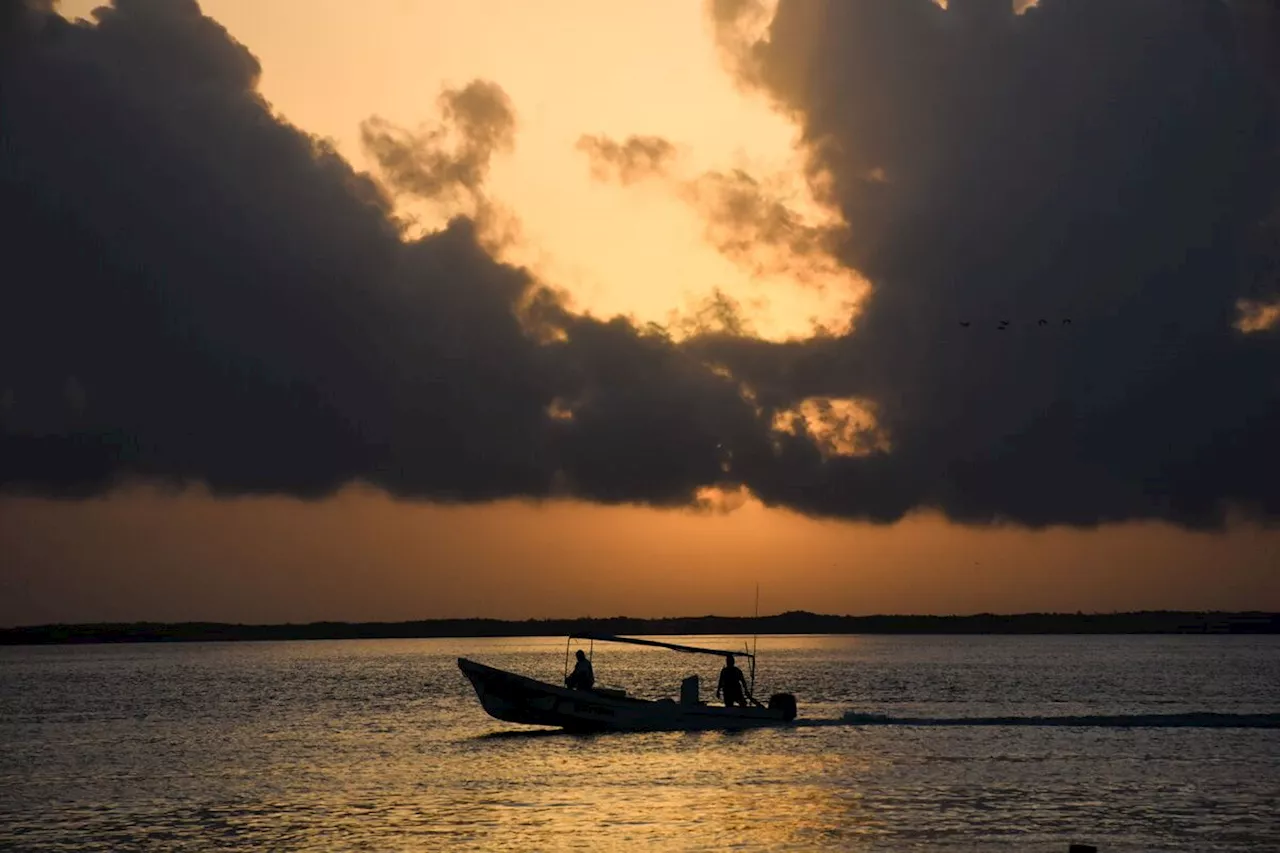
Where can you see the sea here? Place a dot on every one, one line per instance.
(903, 743)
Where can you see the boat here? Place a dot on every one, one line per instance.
(515, 698)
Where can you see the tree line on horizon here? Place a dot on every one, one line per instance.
(793, 622)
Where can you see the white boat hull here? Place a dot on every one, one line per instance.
(517, 699)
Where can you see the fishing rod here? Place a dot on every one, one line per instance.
(755, 644)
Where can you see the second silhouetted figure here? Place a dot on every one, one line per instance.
(732, 684)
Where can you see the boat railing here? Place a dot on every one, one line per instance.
(636, 641)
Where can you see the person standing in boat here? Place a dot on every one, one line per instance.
(582, 677)
(732, 684)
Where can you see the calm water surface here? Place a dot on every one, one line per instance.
(905, 743)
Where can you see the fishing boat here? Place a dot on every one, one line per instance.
(516, 698)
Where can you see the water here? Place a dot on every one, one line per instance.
(905, 743)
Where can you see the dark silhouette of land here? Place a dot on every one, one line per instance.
(794, 622)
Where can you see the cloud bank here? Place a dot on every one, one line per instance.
(1111, 163)
(194, 290)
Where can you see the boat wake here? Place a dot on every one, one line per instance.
(1191, 720)
(1199, 719)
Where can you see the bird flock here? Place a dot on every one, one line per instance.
(1004, 324)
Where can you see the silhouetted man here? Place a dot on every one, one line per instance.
(582, 677)
(732, 685)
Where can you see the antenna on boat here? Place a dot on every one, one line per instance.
(755, 640)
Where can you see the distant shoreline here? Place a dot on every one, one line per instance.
(795, 622)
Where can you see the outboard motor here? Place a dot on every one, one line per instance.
(784, 702)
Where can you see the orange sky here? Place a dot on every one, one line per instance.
(361, 556)
(570, 67)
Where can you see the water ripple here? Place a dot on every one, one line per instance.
(904, 743)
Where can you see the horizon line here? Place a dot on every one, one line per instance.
(535, 620)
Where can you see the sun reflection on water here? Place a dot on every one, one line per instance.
(381, 745)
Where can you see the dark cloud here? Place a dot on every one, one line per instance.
(755, 225)
(1114, 163)
(718, 314)
(634, 159)
(646, 420)
(448, 162)
(737, 24)
(194, 290)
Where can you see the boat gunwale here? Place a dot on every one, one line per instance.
(565, 692)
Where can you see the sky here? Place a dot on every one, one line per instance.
(414, 309)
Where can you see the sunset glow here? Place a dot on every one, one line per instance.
(580, 307)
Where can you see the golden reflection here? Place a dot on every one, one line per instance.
(643, 792)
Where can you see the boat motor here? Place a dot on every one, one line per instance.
(784, 702)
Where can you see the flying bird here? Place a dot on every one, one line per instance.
(1001, 325)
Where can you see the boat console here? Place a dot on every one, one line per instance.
(784, 702)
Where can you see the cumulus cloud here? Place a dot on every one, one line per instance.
(737, 25)
(1111, 163)
(756, 225)
(446, 163)
(193, 290)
